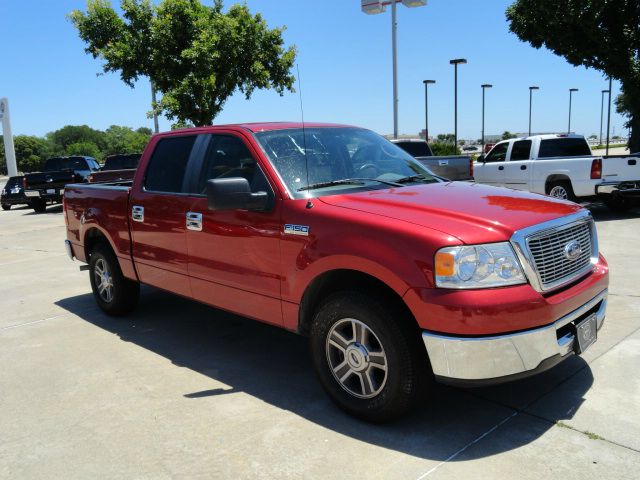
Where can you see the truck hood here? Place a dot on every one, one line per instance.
(472, 212)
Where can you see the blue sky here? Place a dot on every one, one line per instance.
(345, 65)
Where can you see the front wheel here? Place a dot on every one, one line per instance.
(6, 206)
(371, 364)
(39, 206)
(114, 294)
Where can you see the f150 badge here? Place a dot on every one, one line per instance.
(292, 229)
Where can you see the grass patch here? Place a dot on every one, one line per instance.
(591, 435)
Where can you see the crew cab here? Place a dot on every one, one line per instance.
(116, 167)
(397, 277)
(451, 167)
(561, 166)
(47, 187)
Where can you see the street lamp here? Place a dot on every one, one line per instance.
(601, 112)
(455, 62)
(484, 87)
(608, 118)
(426, 107)
(373, 7)
(531, 89)
(571, 90)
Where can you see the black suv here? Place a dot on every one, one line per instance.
(13, 193)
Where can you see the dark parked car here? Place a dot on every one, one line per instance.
(48, 186)
(13, 193)
(117, 167)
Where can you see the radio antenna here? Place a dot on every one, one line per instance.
(304, 135)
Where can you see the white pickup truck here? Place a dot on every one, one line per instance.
(561, 166)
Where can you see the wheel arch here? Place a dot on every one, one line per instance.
(554, 178)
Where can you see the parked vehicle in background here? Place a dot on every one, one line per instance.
(330, 231)
(13, 193)
(116, 167)
(451, 167)
(561, 166)
(47, 187)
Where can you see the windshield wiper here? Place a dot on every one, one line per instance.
(347, 181)
(414, 178)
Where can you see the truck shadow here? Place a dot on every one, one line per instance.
(601, 213)
(274, 366)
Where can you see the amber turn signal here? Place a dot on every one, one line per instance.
(445, 263)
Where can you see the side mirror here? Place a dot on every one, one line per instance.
(482, 158)
(234, 193)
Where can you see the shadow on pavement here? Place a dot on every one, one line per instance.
(601, 213)
(273, 365)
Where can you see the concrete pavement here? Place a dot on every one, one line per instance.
(180, 390)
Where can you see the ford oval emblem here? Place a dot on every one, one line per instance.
(572, 250)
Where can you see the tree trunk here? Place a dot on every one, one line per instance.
(634, 140)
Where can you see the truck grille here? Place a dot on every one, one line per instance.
(551, 260)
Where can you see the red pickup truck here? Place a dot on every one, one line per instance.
(397, 277)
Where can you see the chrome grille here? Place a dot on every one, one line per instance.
(547, 250)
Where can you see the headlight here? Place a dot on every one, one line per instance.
(478, 266)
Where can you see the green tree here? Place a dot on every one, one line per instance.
(506, 135)
(30, 152)
(119, 139)
(599, 34)
(89, 149)
(70, 134)
(197, 56)
(446, 137)
(444, 148)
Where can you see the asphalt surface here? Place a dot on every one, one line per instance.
(180, 390)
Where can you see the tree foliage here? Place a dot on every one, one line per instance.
(197, 56)
(506, 135)
(599, 34)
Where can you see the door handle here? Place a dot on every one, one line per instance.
(137, 213)
(194, 221)
(523, 167)
(631, 161)
(501, 167)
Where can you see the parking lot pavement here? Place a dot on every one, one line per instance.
(180, 390)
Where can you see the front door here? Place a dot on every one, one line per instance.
(234, 255)
(517, 171)
(491, 170)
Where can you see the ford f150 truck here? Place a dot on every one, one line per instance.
(451, 167)
(561, 166)
(47, 187)
(396, 276)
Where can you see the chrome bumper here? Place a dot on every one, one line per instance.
(485, 358)
(68, 249)
(620, 188)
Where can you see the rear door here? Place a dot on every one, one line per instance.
(158, 206)
(491, 170)
(234, 255)
(517, 171)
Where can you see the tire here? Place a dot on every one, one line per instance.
(6, 206)
(120, 295)
(619, 204)
(562, 190)
(389, 341)
(39, 206)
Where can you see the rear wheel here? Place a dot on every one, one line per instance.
(6, 206)
(370, 363)
(114, 294)
(561, 190)
(39, 206)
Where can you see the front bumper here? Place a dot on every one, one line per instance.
(497, 358)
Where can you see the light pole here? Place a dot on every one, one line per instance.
(601, 113)
(608, 117)
(484, 87)
(531, 89)
(455, 62)
(373, 7)
(426, 108)
(153, 105)
(571, 90)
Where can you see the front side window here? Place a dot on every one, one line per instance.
(228, 156)
(498, 153)
(168, 164)
(332, 160)
(521, 150)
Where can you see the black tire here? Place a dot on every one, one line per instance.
(561, 189)
(619, 204)
(387, 395)
(39, 206)
(124, 293)
(6, 206)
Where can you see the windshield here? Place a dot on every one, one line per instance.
(336, 155)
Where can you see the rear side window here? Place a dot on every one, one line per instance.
(564, 147)
(498, 153)
(168, 163)
(415, 149)
(521, 150)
